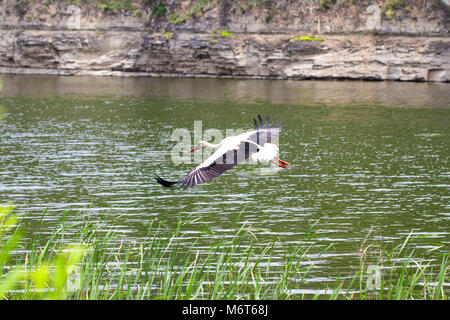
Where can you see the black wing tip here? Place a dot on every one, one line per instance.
(165, 183)
(267, 124)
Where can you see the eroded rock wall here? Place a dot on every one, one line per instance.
(275, 39)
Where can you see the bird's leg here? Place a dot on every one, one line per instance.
(284, 163)
(281, 163)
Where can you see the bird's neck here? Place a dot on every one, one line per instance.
(210, 145)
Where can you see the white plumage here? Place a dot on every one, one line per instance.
(265, 153)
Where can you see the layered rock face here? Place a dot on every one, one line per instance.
(370, 40)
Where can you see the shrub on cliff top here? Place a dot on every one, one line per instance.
(159, 10)
(390, 7)
(325, 4)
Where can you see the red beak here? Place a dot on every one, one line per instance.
(194, 148)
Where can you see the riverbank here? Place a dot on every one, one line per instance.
(306, 40)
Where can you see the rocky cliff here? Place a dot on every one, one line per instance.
(304, 39)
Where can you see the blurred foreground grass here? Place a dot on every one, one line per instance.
(97, 262)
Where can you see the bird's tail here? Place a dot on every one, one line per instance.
(165, 183)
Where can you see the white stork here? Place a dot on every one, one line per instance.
(232, 151)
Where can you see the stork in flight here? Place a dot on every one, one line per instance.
(232, 151)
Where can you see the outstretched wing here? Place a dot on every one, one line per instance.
(214, 167)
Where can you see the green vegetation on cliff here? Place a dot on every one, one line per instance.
(180, 12)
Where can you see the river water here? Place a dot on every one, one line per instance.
(369, 160)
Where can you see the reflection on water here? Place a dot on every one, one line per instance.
(331, 93)
(367, 157)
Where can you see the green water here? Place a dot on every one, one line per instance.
(368, 159)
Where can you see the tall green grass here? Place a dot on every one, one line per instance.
(395, 274)
(91, 259)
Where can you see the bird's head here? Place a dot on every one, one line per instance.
(201, 144)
